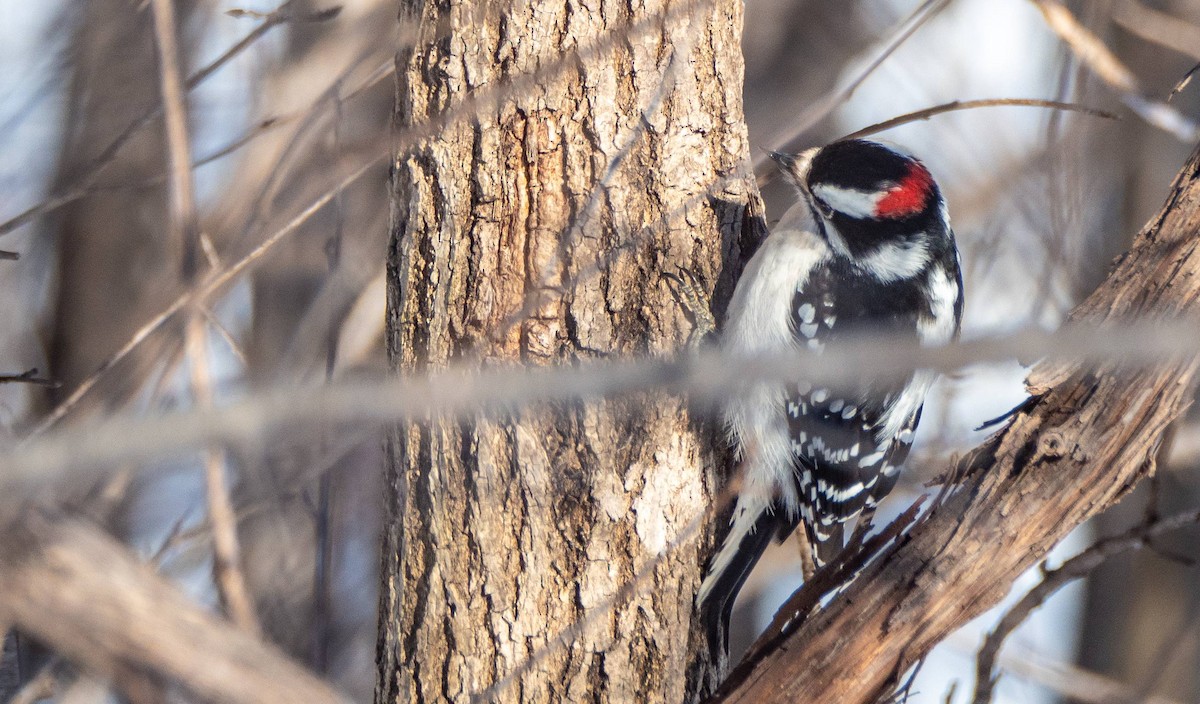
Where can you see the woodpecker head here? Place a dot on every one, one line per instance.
(875, 206)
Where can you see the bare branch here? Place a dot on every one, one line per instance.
(226, 335)
(209, 286)
(106, 156)
(1183, 82)
(1054, 579)
(231, 584)
(821, 109)
(29, 376)
(1100, 59)
(86, 597)
(955, 105)
(1069, 680)
(186, 229)
(365, 402)
(227, 571)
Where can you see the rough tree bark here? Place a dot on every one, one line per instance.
(535, 232)
(1088, 435)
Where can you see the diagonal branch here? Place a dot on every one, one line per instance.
(1086, 437)
(105, 158)
(1075, 568)
(87, 597)
(1105, 64)
(231, 584)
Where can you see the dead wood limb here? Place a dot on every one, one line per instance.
(1054, 579)
(1088, 435)
(88, 598)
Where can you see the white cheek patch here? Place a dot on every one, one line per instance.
(943, 292)
(851, 201)
(897, 260)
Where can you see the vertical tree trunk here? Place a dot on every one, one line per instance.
(535, 231)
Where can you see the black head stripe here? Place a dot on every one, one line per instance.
(858, 164)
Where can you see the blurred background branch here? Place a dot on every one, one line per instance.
(287, 125)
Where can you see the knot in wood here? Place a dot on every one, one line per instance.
(1052, 445)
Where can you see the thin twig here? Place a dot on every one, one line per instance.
(227, 573)
(226, 335)
(1183, 82)
(822, 108)
(260, 128)
(96, 166)
(163, 374)
(1100, 59)
(905, 691)
(955, 105)
(1054, 579)
(174, 537)
(29, 376)
(210, 285)
(264, 198)
(315, 467)
(1067, 679)
(184, 225)
(950, 691)
(323, 559)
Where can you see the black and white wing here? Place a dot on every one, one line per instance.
(848, 443)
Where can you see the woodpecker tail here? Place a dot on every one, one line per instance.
(755, 523)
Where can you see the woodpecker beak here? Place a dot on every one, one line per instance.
(787, 162)
(795, 167)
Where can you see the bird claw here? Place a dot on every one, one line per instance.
(690, 293)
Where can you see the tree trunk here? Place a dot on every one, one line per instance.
(583, 149)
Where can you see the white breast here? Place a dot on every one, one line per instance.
(760, 321)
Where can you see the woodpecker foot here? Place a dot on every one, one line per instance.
(690, 294)
(863, 526)
(808, 566)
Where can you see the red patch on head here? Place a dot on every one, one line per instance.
(907, 197)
